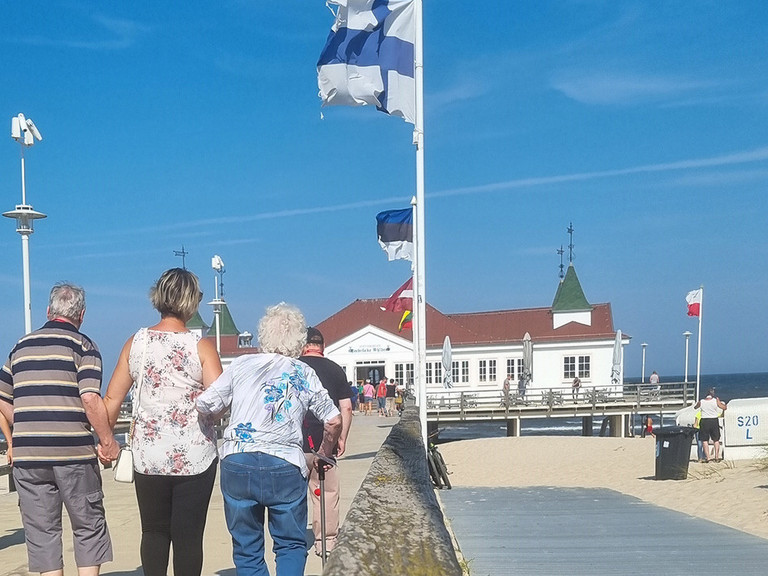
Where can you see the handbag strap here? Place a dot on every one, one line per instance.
(139, 383)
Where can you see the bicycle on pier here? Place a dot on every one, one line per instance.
(438, 471)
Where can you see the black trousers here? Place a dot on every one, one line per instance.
(173, 511)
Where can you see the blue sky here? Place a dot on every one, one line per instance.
(199, 124)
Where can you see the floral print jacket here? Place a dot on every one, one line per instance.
(268, 395)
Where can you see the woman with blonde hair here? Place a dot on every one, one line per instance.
(174, 447)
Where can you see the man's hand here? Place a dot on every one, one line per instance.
(108, 451)
(9, 454)
(341, 446)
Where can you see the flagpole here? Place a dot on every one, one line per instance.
(698, 352)
(420, 289)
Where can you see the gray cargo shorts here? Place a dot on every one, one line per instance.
(42, 491)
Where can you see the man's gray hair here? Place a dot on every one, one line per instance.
(66, 301)
(283, 330)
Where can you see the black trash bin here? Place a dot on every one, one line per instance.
(673, 452)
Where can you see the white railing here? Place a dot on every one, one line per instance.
(561, 397)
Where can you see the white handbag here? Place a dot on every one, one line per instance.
(123, 468)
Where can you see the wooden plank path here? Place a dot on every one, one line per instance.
(591, 531)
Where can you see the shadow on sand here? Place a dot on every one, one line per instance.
(12, 539)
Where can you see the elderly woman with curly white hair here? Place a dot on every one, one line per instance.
(263, 465)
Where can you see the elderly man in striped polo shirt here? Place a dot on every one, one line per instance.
(50, 390)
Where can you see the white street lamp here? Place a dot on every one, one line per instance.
(218, 283)
(642, 373)
(687, 336)
(24, 131)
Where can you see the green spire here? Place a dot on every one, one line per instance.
(228, 327)
(197, 322)
(570, 297)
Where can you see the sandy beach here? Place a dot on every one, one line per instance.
(732, 493)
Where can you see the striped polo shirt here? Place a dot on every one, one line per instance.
(46, 373)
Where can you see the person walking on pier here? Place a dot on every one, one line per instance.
(391, 394)
(709, 426)
(50, 389)
(334, 380)
(575, 386)
(381, 397)
(174, 447)
(505, 388)
(263, 468)
(369, 392)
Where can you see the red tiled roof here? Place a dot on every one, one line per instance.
(494, 327)
(229, 345)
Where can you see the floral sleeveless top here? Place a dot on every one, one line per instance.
(168, 437)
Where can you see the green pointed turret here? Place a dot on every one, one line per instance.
(570, 297)
(197, 323)
(227, 323)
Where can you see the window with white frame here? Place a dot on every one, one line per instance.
(584, 362)
(438, 372)
(487, 370)
(519, 368)
(429, 373)
(569, 367)
(399, 373)
(455, 371)
(464, 371)
(510, 368)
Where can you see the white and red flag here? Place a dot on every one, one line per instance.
(694, 302)
(402, 299)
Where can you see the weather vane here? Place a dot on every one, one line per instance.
(561, 252)
(183, 253)
(570, 245)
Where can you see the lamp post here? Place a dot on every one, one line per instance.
(642, 373)
(218, 265)
(687, 336)
(24, 131)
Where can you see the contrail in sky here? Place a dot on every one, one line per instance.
(745, 157)
(729, 159)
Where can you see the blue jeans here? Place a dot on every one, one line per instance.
(252, 482)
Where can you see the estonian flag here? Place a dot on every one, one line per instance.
(368, 58)
(395, 231)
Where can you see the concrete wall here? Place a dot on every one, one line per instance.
(395, 525)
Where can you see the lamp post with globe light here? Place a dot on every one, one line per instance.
(24, 131)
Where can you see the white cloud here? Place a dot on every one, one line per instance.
(604, 88)
(115, 34)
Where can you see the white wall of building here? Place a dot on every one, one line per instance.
(372, 346)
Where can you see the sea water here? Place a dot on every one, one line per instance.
(727, 387)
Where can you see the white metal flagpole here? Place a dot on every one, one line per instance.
(420, 290)
(698, 353)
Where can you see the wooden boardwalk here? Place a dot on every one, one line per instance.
(591, 531)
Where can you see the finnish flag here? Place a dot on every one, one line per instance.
(368, 59)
